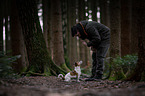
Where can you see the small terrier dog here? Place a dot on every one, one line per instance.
(75, 73)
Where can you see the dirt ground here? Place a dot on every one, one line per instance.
(53, 86)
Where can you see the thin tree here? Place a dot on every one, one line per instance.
(6, 24)
(1, 26)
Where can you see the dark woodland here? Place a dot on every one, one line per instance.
(36, 45)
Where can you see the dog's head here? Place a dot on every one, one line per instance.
(78, 63)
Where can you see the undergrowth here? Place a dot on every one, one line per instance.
(6, 70)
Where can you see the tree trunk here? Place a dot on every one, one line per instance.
(72, 42)
(7, 28)
(94, 5)
(104, 12)
(134, 29)
(33, 37)
(57, 37)
(45, 5)
(49, 29)
(115, 26)
(1, 26)
(18, 46)
(125, 27)
(65, 30)
(140, 14)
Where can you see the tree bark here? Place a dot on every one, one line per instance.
(39, 60)
(104, 12)
(17, 45)
(115, 26)
(45, 5)
(125, 27)
(94, 5)
(134, 29)
(1, 26)
(140, 18)
(7, 28)
(57, 35)
(72, 46)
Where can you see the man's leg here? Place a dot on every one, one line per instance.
(94, 66)
(101, 54)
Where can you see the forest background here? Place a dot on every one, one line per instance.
(36, 34)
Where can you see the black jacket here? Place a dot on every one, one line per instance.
(97, 33)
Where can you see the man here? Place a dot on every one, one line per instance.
(99, 41)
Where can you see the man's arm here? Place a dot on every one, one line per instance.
(94, 36)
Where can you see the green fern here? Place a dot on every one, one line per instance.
(6, 69)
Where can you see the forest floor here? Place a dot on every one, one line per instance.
(53, 86)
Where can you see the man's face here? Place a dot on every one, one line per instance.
(78, 34)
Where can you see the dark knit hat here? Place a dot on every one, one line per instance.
(73, 31)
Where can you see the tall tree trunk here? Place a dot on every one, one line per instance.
(94, 5)
(104, 12)
(72, 51)
(125, 27)
(49, 29)
(115, 26)
(64, 30)
(45, 5)
(1, 26)
(57, 37)
(18, 46)
(39, 60)
(134, 29)
(140, 14)
(7, 29)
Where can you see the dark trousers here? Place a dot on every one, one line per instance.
(98, 61)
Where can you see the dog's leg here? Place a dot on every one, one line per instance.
(77, 78)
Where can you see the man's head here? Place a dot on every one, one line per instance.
(75, 32)
(78, 30)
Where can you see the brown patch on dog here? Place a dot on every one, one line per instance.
(77, 64)
(63, 78)
(73, 73)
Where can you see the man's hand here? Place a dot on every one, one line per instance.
(84, 43)
(93, 49)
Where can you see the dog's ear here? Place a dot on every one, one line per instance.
(80, 62)
(76, 64)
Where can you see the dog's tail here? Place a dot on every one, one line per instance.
(61, 76)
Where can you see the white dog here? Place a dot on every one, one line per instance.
(75, 73)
